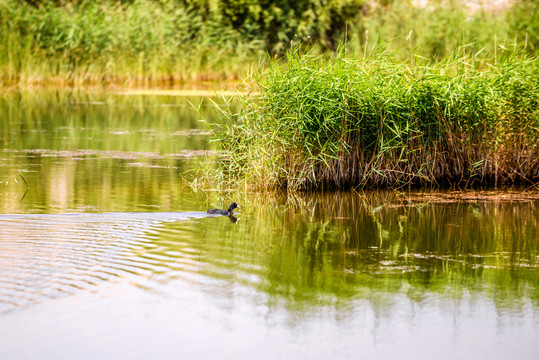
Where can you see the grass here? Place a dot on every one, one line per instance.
(138, 44)
(434, 31)
(336, 121)
(161, 43)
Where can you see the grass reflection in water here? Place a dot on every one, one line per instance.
(332, 248)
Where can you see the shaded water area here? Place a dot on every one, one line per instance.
(108, 255)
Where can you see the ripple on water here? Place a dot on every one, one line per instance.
(50, 256)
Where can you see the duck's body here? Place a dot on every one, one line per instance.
(228, 212)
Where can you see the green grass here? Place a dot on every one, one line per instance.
(103, 42)
(336, 121)
(435, 31)
(165, 42)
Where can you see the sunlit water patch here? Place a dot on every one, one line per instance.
(50, 256)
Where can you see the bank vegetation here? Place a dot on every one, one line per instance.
(336, 121)
(157, 43)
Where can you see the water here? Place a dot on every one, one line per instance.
(108, 255)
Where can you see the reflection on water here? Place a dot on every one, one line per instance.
(96, 121)
(106, 258)
(99, 152)
(375, 264)
(315, 250)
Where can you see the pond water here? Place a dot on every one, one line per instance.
(107, 253)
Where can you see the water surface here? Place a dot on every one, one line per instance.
(107, 255)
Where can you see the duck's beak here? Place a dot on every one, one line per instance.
(239, 207)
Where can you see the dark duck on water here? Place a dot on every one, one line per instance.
(224, 212)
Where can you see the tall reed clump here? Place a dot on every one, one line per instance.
(340, 122)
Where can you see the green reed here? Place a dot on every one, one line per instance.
(340, 122)
(104, 42)
(161, 43)
(436, 30)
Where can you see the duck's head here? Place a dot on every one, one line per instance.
(233, 206)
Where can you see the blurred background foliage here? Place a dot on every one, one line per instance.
(145, 40)
(276, 23)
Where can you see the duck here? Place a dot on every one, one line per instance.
(228, 212)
